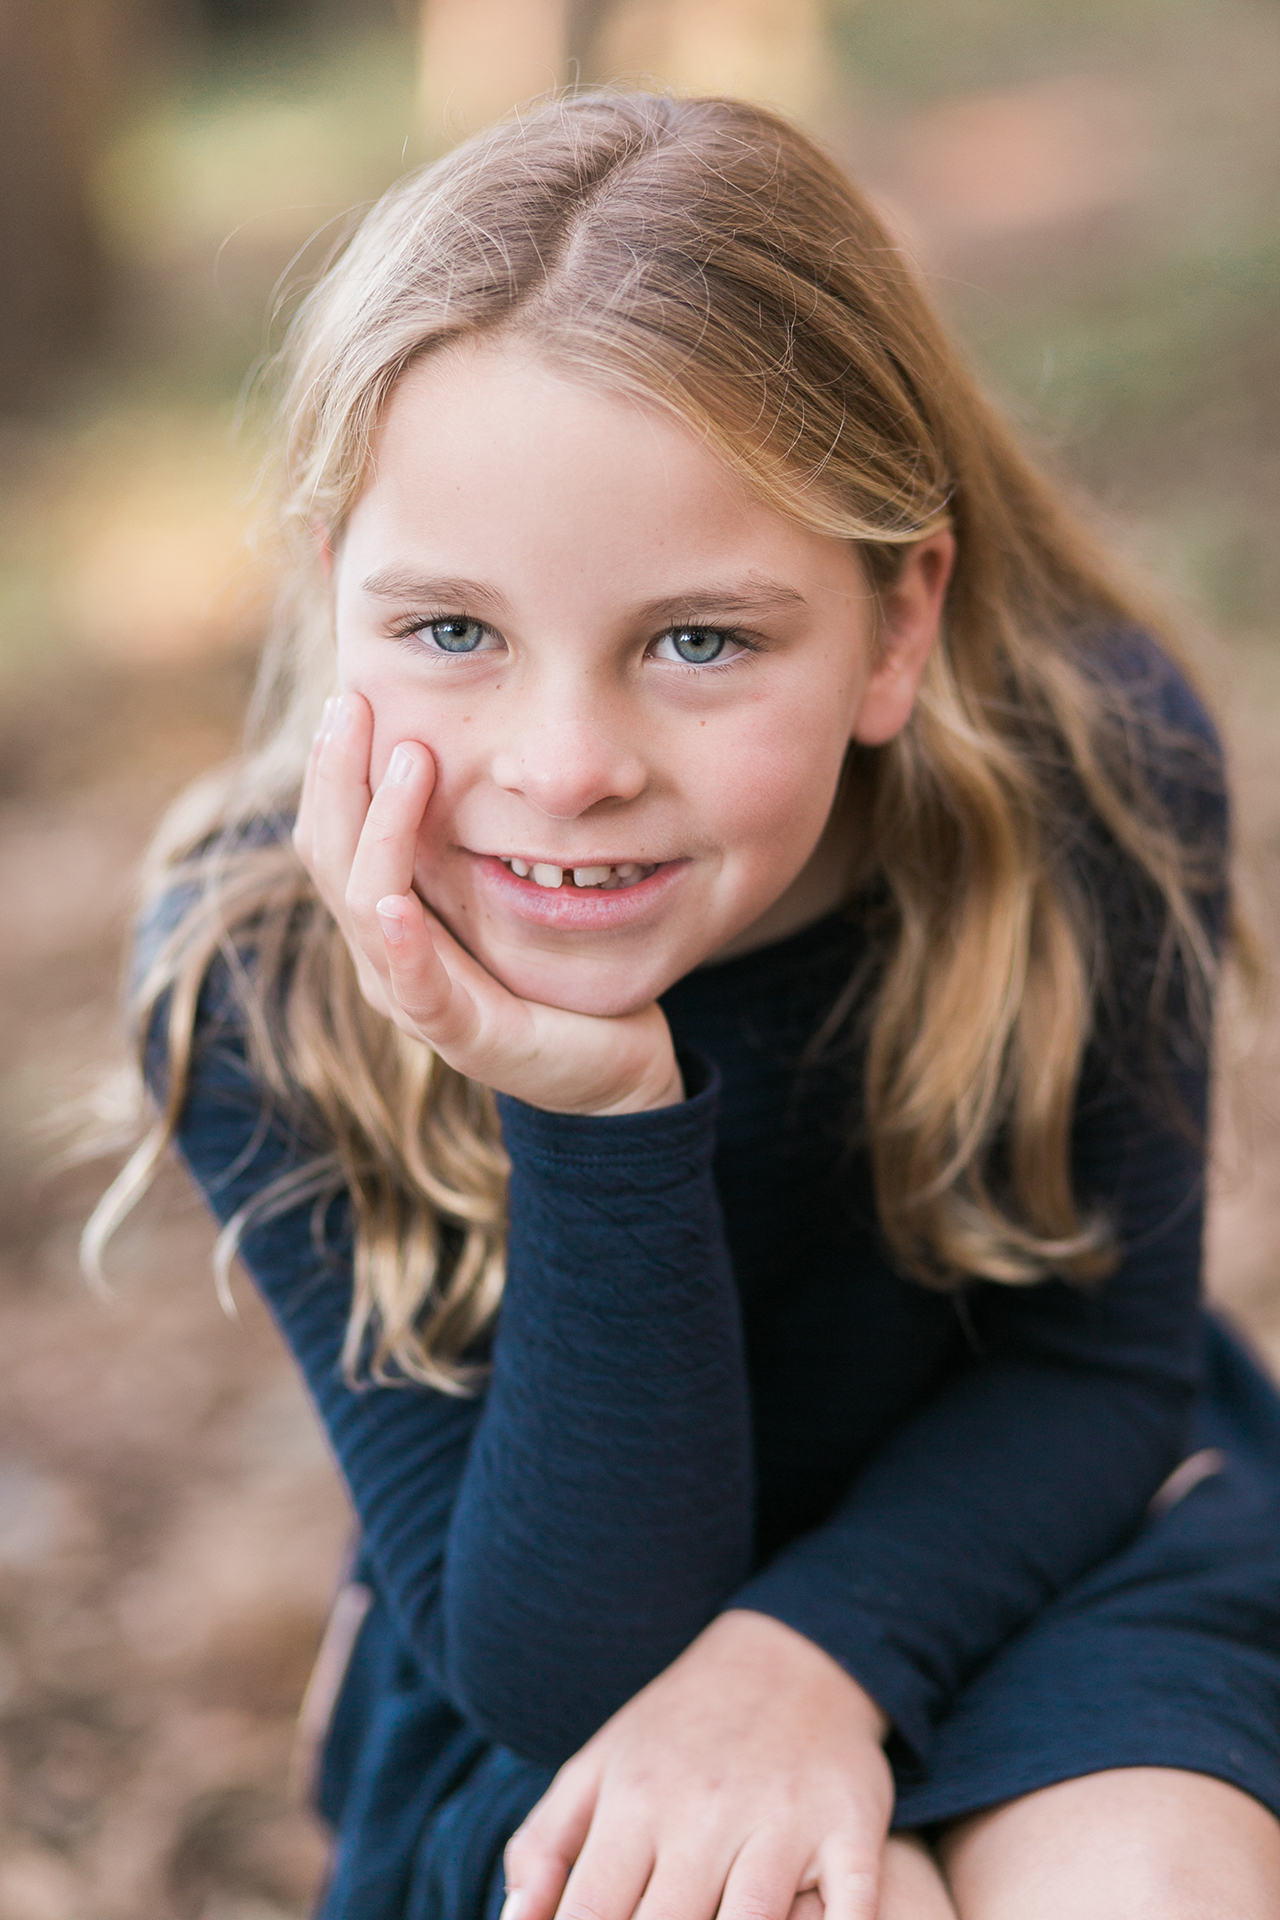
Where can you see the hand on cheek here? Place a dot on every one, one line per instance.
(360, 848)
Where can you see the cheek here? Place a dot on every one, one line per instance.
(775, 779)
(404, 710)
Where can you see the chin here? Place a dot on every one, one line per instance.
(581, 987)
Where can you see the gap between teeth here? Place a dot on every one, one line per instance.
(624, 874)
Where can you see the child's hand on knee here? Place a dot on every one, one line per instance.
(746, 1782)
(360, 848)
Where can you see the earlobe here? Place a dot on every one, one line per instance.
(911, 616)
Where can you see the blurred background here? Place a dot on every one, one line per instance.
(1090, 187)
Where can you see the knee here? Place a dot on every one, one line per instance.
(1133, 1844)
(912, 1886)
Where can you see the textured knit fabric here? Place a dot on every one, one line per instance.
(710, 1389)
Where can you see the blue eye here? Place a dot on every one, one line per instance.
(695, 646)
(456, 636)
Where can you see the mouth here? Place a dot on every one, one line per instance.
(603, 876)
(603, 896)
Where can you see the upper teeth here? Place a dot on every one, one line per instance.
(623, 874)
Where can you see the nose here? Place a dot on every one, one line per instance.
(568, 749)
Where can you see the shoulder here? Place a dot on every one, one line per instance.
(194, 973)
(1160, 729)
(202, 893)
(1156, 881)
(1138, 665)
(191, 893)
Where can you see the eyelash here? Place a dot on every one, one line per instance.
(419, 622)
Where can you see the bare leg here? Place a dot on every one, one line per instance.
(1137, 1843)
(912, 1888)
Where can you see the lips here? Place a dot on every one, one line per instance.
(555, 899)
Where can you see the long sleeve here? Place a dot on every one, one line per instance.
(549, 1548)
(608, 1501)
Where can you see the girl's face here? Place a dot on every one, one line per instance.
(638, 682)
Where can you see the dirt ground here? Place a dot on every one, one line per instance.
(170, 1523)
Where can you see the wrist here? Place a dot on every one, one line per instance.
(661, 1089)
(760, 1635)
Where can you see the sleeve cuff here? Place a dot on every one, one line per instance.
(635, 1147)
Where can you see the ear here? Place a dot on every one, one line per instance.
(324, 548)
(910, 615)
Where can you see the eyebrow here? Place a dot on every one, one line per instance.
(763, 596)
(397, 583)
(741, 597)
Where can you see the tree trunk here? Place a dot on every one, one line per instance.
(51, 105)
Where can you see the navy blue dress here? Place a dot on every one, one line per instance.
(710, 1389)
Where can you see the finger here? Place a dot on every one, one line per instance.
(540, 1853)
(689, 1880)
(611, 1873)
(538, 1892)
(303, 819)
(387, 845)
(848, 1878)
(419, 985)
(340, 797)
(763, 1881)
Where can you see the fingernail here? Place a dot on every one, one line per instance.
(400, 767)
(326, 717)
(512, 1904)
(341, 714)
(388, 912)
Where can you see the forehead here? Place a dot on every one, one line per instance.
(471, 412)
(492, 458)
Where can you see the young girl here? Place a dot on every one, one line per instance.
(782, 1416)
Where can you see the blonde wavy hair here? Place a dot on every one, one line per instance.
(706, 256)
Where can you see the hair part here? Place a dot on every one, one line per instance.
(709, 259)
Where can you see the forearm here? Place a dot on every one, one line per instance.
(606, 1509)
(1035, 1461)
(1002, 1492)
